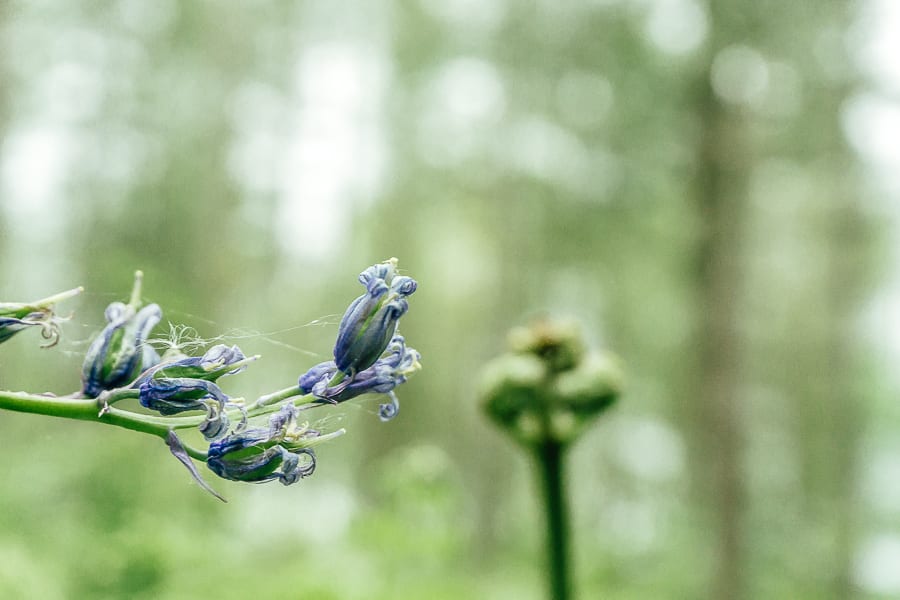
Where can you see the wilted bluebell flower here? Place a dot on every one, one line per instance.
(215, 362)
(9, 326)
(173, 395)
(258, 455)
(322, 372)
(393, 368)
(371, 320)
(116, 356)
(189, 384)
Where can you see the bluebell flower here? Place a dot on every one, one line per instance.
(188, 383)
(371, 320)
(173, 395)
(393, 368)
(322, 371)
(215, 362)
(257, 455)
(116, 356)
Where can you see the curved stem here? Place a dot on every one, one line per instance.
(101, 410)
(109, 398)
(275, 397)
(339, 376)
(84, 409)
(87, 409)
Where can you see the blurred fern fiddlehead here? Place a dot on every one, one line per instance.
(260, 441)
(544, 391)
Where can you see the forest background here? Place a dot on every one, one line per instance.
(711, 188)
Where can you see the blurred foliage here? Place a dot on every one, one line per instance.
(518, 157)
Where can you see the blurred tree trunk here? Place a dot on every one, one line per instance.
(851, 247)
(834, 418)
(720, 196)
(847, 234)
(719, 348)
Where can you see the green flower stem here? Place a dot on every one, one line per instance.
(188, 422)
(324, 438)
(275, 397)
(81, 409)
(89, 410)
(290, 392)
(135, 301)
(101, 410)
(216, 373)
(234, 414)
(109, 398)
(256, 411)
(338, 377)
(57, 297)
(550, 457)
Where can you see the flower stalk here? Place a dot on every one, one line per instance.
(550, 457)
(544, 392)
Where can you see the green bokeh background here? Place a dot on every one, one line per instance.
(675, 174)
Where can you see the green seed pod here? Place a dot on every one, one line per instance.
(558, 343)
(548, 388)
(512, 388)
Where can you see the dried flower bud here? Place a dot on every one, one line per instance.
(257, 455)
(558, 343)
(173, 395)
(188, 383)
(116, 356)
(215, 362)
